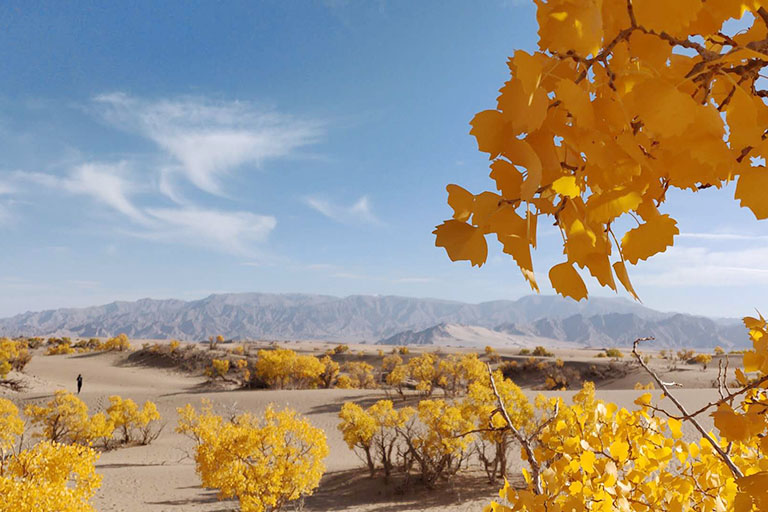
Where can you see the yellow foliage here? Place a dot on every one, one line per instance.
(433, 434)
(134, 424)
(63, 419)
(284, 368)
(360, 374)
(49, 476)
(14, 355)
(11, 426)
(456, 372)
(264, 462)
(119, 343)
(423, 369)
(330, 372)
(622, 102)
(218, 369)
(372, 432)
(60, 348)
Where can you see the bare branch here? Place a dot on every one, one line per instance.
(685, 415)
(525, 443)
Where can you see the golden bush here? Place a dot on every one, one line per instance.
(265, 462)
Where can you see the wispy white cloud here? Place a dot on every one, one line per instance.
(359, 212)
(724, 236)
(413, 280)
(6, 189)
(106, 183)
(232, 232)
(209, 139)
(700, 266)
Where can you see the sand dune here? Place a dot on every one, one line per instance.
(161, 477)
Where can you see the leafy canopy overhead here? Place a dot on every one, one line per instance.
(624, 100)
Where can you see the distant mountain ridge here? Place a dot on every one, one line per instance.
(599, 321)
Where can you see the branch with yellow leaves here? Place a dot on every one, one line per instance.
(685, 414)
(525, 442)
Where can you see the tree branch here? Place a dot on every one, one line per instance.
(685, 415)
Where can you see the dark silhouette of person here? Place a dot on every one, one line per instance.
(79, 383)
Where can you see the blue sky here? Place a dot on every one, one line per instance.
(177, 149)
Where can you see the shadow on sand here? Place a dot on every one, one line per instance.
(353, 489)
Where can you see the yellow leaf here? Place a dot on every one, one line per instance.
(576, 101)
(567, 282)
(650, 49)
(519, 152)
(731, 425)
(741, 114)
(488, 129)
(648, 239)
(644, 400)
(519, 249)
(570, 26)
(603, 208)
(753, 361)
(587, 461)
(462, 242)
(486, 204)
(508, 178)
(621, 272)
(531, 220)
(663, 109)
(751, 190)
(566, 186)
(528, 69)
(675, 427)
(461, 200)
(665, 16)
(599, 266)
(619, 450)
(505, 221)
(522, 111)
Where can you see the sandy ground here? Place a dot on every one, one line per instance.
(161, 476)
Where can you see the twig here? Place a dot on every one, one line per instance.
(686, 416)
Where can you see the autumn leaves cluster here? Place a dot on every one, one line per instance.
(623, 102)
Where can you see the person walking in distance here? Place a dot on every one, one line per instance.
(79, 383)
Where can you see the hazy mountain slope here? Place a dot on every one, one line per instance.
(468, 336)
(357, 317)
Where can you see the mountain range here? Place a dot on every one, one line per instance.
(385, 319)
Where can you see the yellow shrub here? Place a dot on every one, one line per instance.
(423, 370)
(218, 369)
(14, 355)
(344, 382)
(360, 374)
(49, 476)
(372, 432)
(264, 462)
(174, 345)
(456, 372)
(436, 439)
(133, 423)
(119, 343)
(11, 426)
(61, 348)
(284, 368)
(330, 372)
(63, 419)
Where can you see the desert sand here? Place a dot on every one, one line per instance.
(161, 476)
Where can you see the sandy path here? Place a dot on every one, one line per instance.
(161, 477)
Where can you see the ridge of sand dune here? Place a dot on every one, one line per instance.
(161, 476)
